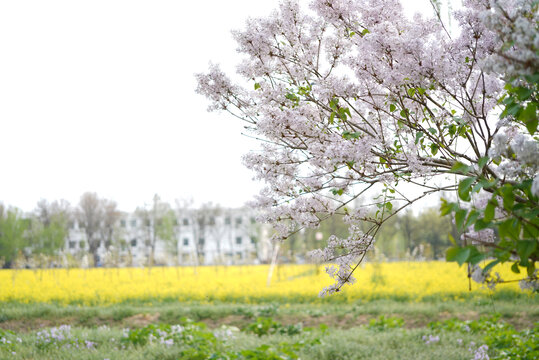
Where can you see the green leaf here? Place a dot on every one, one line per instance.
(292, 97)
(421, 91)
(512, 109)
(472, 217)
(490, 265)
(464, 188)
(482, 162)
(508, 197)
(434, 149)
(392, 107)
(460, 168)
(523, 93)
(411, 92)
(480, 224)
(476, 257)
(509, 229)
(489, 211)
(531, 269)
(332, 117)
(257, 86)
(515, 269)
(460, 216)
(389, 206)
(529, 117)
(452, 239)
(525, 248)
(447, 207)
(351, 135)
(418, 136)
(452, 129)
(404, 113)
(460, 255)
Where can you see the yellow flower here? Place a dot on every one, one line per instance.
(247, 284)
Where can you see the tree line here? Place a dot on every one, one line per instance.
(38, 238)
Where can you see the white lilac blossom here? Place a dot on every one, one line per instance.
(352, 97)
(535, 185)
(431, 339)
(478, 275)
(481, 237)
(530, 283)
(481, 276)
(344, 253)
(481, 353)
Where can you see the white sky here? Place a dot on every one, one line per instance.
(99, 96)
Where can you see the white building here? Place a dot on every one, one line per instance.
(228, 237)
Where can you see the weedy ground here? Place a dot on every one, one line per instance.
(379, 329)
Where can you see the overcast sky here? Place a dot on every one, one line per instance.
(99, 96)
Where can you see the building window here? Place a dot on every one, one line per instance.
(238, 240)
(253, 220)
(185, 222)
(122, 223)
(239, 255)
(82, 244)
(227, 221)
(147, 222)
(253, 240)
(133, 223)
(71, 225)
(239, 221)
(134, 242)
(185, 242)
(71, 244)
(201, 241)
(212, 220)
(176, 223)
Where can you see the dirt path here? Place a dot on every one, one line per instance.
(520, 321)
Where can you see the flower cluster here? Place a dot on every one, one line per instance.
(345, 254)
(352, 96)
(431, 339)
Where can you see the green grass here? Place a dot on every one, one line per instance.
(353, 343)
(522, 312)
(380, 329)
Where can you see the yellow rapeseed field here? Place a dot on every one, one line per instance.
(294, 283)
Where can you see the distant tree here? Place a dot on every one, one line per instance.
(158, 221)
(199, 220)
(12, 235)
(49, 229)
(407, 224)
(434, 231)
(90, 215)
(108, 228)
(215, 228)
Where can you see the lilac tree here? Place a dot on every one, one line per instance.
(353, 99)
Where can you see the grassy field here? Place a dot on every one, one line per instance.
(396, 311)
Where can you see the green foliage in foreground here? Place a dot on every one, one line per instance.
(384, 338)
